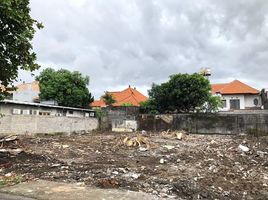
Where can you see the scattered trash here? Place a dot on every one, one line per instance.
(132, 175)
(115, 172)
(169, 147)
(191, 168)
(261, 153)
(11, 151)
(143, 149)
(162, 161)
(243, 148)
(143, 132)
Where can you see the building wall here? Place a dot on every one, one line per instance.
(229, 97)
(249, 101)
(7, 109)
(246, 101)
(33, 124)
(26, 96)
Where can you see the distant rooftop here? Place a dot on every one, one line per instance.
(43, 105)
(128, 96)
(234, 87)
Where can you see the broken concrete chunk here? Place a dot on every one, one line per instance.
(243, 148)
(169, 147)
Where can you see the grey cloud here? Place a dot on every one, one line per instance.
(138, 42)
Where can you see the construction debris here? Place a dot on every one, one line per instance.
(243, 148)
(138, 140)
(198, 167)
(174, 134)
(11, 140)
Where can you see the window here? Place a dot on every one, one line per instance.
(235, 104)
(16, 111)
(71, 112)
(92, 114)
(256, 102)
(224, 103)
(35, 112)
(26, 112)
(44, 113)
(86, 114)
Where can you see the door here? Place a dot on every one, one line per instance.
(235, 104)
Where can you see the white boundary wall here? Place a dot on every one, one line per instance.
(23, 124)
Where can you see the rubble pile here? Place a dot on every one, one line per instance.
(189, 167)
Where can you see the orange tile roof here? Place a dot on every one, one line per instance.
(98, 103)
(234, 87)
(129, 95)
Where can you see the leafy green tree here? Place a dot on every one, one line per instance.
(17, 29)
(65, 87)
(181, 93)
(148, 107)
(213, 104)
(127, 104)
(108, 99)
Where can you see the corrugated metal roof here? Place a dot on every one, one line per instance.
(44, 105)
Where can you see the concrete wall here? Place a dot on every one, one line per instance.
(22, 124)
(221, 123)
(119, 118)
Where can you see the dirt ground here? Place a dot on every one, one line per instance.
(196, 167)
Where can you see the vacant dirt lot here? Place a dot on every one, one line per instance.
(196, 167)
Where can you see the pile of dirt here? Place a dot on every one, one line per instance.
(190, 167)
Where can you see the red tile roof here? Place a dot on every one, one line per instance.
(127, 96)
(234, 87)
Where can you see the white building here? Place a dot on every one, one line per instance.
(237, 95)
(11, 107)
(27, 92)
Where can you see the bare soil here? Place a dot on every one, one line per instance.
(196, 167)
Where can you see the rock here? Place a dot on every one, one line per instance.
(261, 153)
(55, 165)
(135, 176)
(143, 149)
(8, 174)
(122, 170)
(243, 148)
(132, 175)
(169, 147)
(115, 172)
(162, 161)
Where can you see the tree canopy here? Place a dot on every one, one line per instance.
(181, 93)
(108, 98)
(65, 87)
(17, 29)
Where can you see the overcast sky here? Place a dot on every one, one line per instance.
(136, 42)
